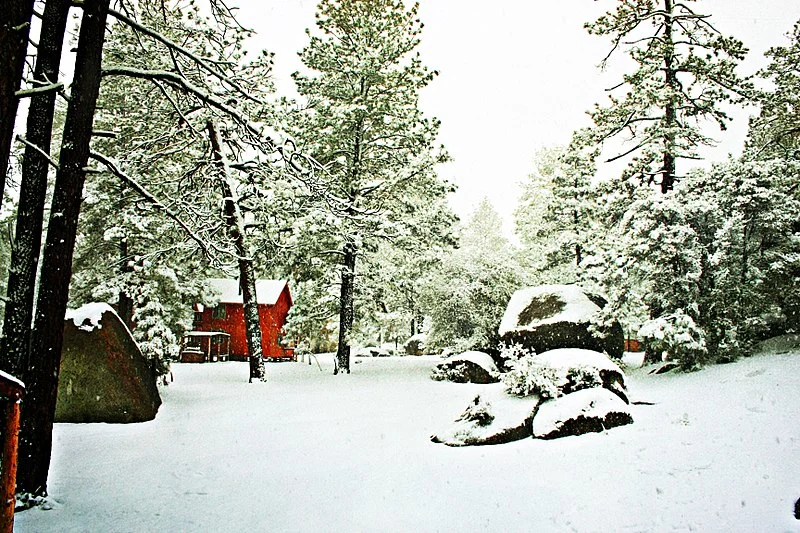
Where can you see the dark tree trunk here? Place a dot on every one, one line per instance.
(44, 363)
(15, 25)
(33, 188)
(670, 114)
(247, 279)
(342, 362)
(125, 302)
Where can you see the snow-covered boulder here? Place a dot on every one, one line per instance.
(372, 351)
(493, 417)
(467, 367)
(104, 377)
(583, 411)
(548, 317)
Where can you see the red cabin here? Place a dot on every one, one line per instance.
(274, 301)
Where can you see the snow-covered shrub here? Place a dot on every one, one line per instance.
(530, 376)
(677, 338)
(515, 352)
(416, 344)
(479, 411)
(582, 377)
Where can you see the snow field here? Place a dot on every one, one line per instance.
(309, 451)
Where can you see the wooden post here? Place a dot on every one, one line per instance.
(11, 391)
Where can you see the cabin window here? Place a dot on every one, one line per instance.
(219, 311)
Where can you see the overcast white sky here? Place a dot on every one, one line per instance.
(515, 76)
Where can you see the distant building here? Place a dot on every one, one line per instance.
(274, 301)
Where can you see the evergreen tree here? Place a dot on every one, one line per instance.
(363, 123)
(775, 131)
(684, 74)
(553, 217)
(466, 296)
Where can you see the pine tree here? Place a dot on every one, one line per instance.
(466, 295)
(553, 218)
(363, 123)
(684, 74)
(775, 131)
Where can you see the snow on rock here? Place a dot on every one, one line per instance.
(467, 367)
(103, 375)
(87, 317)
(561, 303)
(548, 317)
(567, 360)
(493, 417)
(583, 411)
(780, 344)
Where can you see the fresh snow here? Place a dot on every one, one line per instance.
(267, 290)
(87, 317)
(594, 403)
(565, 358)
(482, 359)
(308, 451)
(578, 307)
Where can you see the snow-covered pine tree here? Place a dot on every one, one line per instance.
(684, 74)
(161, 98)
(465, 297)
(775, 132)
(362, 121)
(553, 218)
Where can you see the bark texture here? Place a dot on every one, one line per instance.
(342, 362)
(33, 188)
(15, 24)
(247, 279)
(43, 367)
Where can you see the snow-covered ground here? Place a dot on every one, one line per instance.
(308, 451)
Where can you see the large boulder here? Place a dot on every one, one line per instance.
(467, 367)
(104, 377)
(549, 317)
(493, 417)
(583, 411)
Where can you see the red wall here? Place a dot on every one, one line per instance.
(272, 318)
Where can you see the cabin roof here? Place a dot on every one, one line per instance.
(267, 290)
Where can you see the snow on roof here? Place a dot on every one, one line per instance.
(578, 307)
(87, 317)
(206, 334)
(267, 290)
(8, 377)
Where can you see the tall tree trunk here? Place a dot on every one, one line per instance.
(44, 364)
(125, 302)
(670, 114)
(346, 314)
(33, 189)
(247, 279)
(15, 25)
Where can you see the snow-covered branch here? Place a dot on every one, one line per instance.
(144, 193)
